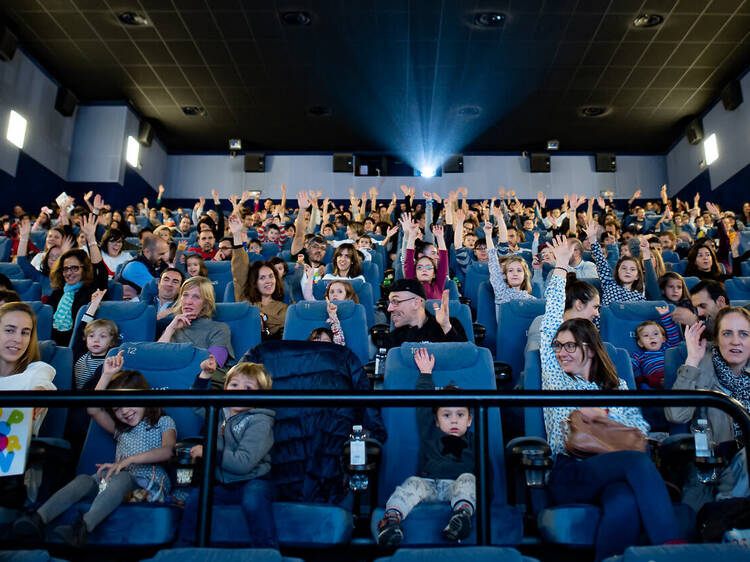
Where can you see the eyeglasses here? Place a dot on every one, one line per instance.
(569, 347)
(317, 247)
(425, 268)
(480, 247)
(395, 302)
(71, 268)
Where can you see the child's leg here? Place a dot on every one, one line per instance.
(81, 487)
(463, 492)
(108, 500)
(222, 495)
(257, 500)
(413, 491)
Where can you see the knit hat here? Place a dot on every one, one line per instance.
(411, 286)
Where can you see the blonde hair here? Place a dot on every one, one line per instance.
(206, 289)
(103, 323)
(658, 262)
(647, 323)
(505, 262)
(252, 371)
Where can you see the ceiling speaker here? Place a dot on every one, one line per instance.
(343, 162)
(731, 95)
(454, 164)
(539, 163)
(145, 133)
(255, 163)
(8, 42)
(694, 131)
(606, 163)
(65, 102)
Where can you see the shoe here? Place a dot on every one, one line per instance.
(390, 534)
(74, 535)
(29, 526)
(459, 526)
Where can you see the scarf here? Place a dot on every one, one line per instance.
(737, 385)
(63, 318)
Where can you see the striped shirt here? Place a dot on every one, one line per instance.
(85, 369)
(648, 366)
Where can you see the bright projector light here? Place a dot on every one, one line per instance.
(427, 172)
(711, 149)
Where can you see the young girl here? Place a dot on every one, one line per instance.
(674, 290)
(431, 272)
(509, 275)
(654, 339)
(244, 443)
(334, 334)
(195, 266)
(145, 439)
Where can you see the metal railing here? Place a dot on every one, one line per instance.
(479, 400)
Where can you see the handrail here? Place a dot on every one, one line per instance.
(479, 399)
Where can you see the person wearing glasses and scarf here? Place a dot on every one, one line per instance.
(74, 279)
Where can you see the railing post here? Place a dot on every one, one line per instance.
(205, 499)
(483, 504)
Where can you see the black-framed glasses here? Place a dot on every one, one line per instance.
(396, 302)
(569, 347)
(71, 268)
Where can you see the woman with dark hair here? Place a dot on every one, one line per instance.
(703, 263)
(47, 261)
(112, 254)
(625, 484)
(346, 264)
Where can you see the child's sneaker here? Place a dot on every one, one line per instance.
(389, 531)
(459, 525)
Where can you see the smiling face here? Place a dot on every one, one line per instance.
(453, 421)
(673, 290)
(193, 266)
(129, 415)
(185, 224)
(315, 251)
(72, 270)
(666, 242)
(514, 273)
(733, 340)
(192, 303)
(114, 246)
(53, 240)
(99, 341)
(344, 261)
(404, 308)
(703, 259)
(628, 273)
(425, 269)
(587, 311)
(576, 361)
(15, 335)
(480, 251)
(650, 337)
(266, 281)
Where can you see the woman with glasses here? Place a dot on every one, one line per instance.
(74, 278)
(112, 254)
(427, 270)
(625, 484)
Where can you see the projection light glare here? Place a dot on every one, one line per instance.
(16, 129)
(132, 152)
(427, 172)
(711, 149)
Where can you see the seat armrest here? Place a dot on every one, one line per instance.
(533, 456)
(479, 333)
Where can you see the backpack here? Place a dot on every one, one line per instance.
(715, 518)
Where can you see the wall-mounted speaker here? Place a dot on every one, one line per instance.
(731, 95)
(454, 164)
(539, 163)
(145, 133)
(343, 162)
(8, 43)
(694, 131)
(606, 163)
(65, 102)
(255, 163)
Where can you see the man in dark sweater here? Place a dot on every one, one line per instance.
(445, 467)
(412, 322)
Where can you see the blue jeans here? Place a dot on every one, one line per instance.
(256, 498)
(630, 492)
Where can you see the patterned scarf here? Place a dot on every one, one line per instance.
(737, 385)
(63, 318)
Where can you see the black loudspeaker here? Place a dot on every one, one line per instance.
(145, 133)
(343, 162)
(731, 95)
(8, 42)
(606, 163)
(539, 163)
(255, 162)
(694, 131)
(65, 102)
(454, 164)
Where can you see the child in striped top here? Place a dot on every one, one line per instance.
(654, 339)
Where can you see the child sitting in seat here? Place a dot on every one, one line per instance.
(243, 452)
(654, 339)
(98, 337)
(145, 439)
(445, 469)
(334, 334)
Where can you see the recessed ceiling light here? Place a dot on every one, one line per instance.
(469, 111)
(489, 19)
(193, 110)
(319, 111)
(296, 18)
(131, 18)
(593, 111)
(648, 20)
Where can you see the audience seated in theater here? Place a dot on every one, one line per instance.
(430, 271)
(654, 339)
(509, 274)
(148, 264)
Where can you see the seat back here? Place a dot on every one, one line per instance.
(475, 274)
(6, 244)
(43, 319)
(619, 320)
(166, 366)
(452, 288)
(220, 274)
(738, 288)
(595, 281)
(364, 294)
(691, 282)
(670, 256)
(136, 321)
(27, 289)
(487, 315)
(513, 323)
(244, 324)
(302, 318)
(677, 267)
(464, 364)
(61, 358)
(39, 239)
(114, 290)
(269, 250)
(10, 270)
(674, 357)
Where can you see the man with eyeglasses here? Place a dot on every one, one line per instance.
(412, 322)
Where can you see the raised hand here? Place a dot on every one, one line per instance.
(283, 189)
(97, 296)
(113, 364)
(561, 250)
(373, 192)
(437, 198)
(426, 195)
(637, 194)
(501, 192)
(87, 195)
(215, 195)
(24, 228)
(182, 245)
(332, 309)
(438, 231)
(600, 202)
(442, 312)
(303, 201)
(145, 202)
(208, 367)
(735, 244)
(245, 196)
(696, 346)
(67, 244)
(425, 362)
(713, 209)
(462, 189)
(98, 203)
(88, 227)
(645, 248)
(452, 196)
(235, 224)
(576, 201)
(592, 231)
(541, 198)
(487, 227)
(662, 310)
(162, 189)
(696, 199)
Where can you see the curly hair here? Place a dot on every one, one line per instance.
(56, 279)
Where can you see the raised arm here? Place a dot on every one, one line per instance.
(303, 202)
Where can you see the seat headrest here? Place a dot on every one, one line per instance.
(122, 310)
(155, 356)
(315, 311)
(232, 311)
(457, 355)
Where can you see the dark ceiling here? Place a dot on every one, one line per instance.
(396, 75)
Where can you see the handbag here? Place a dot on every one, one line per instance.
(588, 436)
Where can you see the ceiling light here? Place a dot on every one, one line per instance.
(132, 152)
(16, 129)
(489, 19)
(553, 144)
(235, 144)
(647, 20)
(711, 149)
(193, 110)
(593, 111)
(296, 18)
(131, 18)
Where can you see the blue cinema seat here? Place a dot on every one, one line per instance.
(738, 288)
(684, 553)
(691, 282)
(475, 274)
(302, 318)
(269, 250)
(114, 290)
(6, 244)
(140, 524)
(486, 315)
(619, 320)
(469, 367)
(364, 294)
(575, 525)
(11, 270)
(670, 256)
(136, 321)
(27, 289)
(44, 314)
(678, 267)
(244, 323)
(220, 274)
(220, 555)
(512, 330)
(463, 554)
(458, 310)
(674, 357)
(61, 358)
(595, 281)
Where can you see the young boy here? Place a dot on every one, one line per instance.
(445, 467)
(654, 339)
(101, 336)
(254, 246)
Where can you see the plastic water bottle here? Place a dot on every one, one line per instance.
(358, 459)
(704, 449)
(380, 364)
